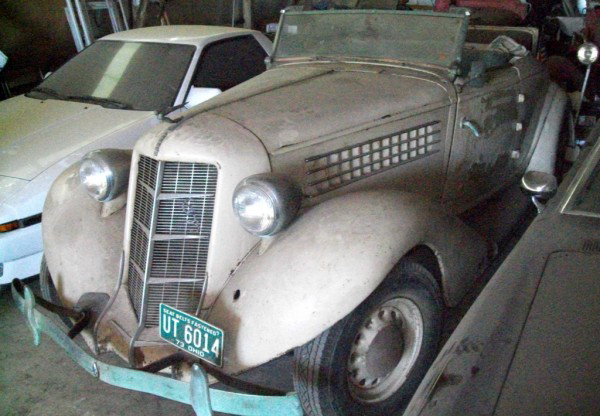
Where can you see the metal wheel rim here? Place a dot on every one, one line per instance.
(401, 319)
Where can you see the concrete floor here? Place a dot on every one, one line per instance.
(44, 381)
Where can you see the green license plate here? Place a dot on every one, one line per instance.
(191, 334)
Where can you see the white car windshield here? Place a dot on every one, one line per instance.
(125, 75)
(416, 37)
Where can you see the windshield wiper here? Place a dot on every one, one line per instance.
(104, 102)
(48, 92)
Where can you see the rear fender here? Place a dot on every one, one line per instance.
(301, 282)
(547, 135)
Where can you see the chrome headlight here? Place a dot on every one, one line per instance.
(587, 53)
(265, 204)
(105, 173)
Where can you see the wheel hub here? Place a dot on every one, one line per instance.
(385, 349)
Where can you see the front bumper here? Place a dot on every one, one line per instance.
(195, 393)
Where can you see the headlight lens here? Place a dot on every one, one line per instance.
(255, 210)
(265, 204)
(96, 178)
(105, 173)
(587, 53)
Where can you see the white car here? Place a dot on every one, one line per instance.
(106, 96)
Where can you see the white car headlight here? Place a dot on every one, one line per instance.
(105, 173)
(265, 204)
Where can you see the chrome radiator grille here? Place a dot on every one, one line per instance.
(170, 236)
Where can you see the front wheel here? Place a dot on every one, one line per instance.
(371, 362)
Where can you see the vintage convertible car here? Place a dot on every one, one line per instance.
(316, 208)
(529, 344)
(106, 96)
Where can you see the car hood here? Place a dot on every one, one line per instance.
(299, 103)
(9, 187)
(35, 134)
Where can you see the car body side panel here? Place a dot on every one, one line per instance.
(558, 351)
(407, 153)
(480, 360)
(536, 147)
(480, 164)
(474, 361)
(312, 275)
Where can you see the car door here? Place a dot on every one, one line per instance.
(487, 137)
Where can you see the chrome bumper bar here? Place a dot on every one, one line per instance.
(203, 399)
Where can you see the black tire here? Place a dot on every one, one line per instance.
(48, 290)
(322, 376)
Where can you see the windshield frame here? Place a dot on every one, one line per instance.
(184, 76)
(461, 14)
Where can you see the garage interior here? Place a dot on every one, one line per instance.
(39, 37)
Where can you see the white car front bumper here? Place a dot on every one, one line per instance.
(20, 253)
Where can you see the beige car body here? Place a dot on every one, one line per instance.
(273, 294)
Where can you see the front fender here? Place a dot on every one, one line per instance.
(303, 281)
(83, 238)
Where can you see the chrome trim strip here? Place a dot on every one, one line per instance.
(148, 265)
(164, 237)
(165, 195)
(170, 280)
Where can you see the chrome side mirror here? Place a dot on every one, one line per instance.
(540, 186)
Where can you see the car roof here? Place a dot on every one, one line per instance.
(191, 34)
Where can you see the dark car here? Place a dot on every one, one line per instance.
(529, 345)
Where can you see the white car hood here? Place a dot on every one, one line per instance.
(35, 134)
(9, 187)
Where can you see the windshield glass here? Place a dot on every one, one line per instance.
(430, 38)
(136, 75)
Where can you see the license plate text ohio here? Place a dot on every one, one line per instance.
(191, 334)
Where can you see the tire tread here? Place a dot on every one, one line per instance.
(316, 356)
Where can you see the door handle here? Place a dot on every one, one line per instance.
(471, 125)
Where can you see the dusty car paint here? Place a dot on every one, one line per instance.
(384, 225)
(301, 119)
(528, 344)
(26, 150)
(41, 137)
(178, 143)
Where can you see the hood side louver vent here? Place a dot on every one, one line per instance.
(329, 171)
(591, 246)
